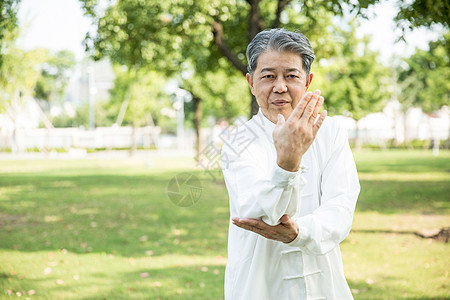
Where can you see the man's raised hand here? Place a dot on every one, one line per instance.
(292, 137)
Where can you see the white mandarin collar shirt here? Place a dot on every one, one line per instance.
(320, 197)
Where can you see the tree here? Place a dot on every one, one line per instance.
(217, 94)
(19, 77)
(423, 78)
(204, 36)
(55, 75)
(140, 94)
(423, 13)
(8, 25)
(356, 84)
(218, 27)
(165, 34)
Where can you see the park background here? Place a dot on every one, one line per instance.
(105, 104)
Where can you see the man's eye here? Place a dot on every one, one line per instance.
(292, 76)
(268, 76)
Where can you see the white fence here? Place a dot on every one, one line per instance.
(68, 138)
(374, 129)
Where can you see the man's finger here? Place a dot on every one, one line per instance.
(280, 120)
(313, 117)
(250, 226)
(285, 219)
(319, 122)
(250, 222)
(309, 109)
(300, 107)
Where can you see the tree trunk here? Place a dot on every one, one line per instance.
(358, 141)
(255, 20)
(197, 120)
(133, 138)
(405, 128)
(254, 28)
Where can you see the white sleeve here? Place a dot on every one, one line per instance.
(322, 230)
(257, 193)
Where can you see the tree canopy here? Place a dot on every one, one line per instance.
(424, 79)
(205, 35)
(354, 82)
(55, 75)
(8, 24)
(423, 13)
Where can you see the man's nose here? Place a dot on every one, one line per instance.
(279, 85)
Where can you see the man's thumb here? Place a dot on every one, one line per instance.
(281, 120)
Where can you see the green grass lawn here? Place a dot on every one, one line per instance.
(106, 229)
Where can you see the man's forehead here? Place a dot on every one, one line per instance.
(288, 69)
(279, 60)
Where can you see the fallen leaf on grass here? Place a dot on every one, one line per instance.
(157, 284)
(31, 292)
(47, 270)
(59, 281)
(144, 275)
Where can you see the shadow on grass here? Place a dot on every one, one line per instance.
(389, 197)
(125, 215)
(192, 282)
(400, 161)
(387, 289)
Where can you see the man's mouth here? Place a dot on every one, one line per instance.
(280, 102)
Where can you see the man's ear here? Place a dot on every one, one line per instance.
(250, 82)
(308, 81)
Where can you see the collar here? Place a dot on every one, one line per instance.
(267, 124)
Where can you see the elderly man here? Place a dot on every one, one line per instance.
(292, 187)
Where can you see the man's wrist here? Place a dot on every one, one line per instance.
(288, 165)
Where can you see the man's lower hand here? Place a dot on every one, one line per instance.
(284, 232)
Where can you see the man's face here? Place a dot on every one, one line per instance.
(278, 83)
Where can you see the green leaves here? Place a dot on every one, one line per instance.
(55, 75)
(424, 80)
(353, 82)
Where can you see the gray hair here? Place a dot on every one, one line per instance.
(280, 39)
